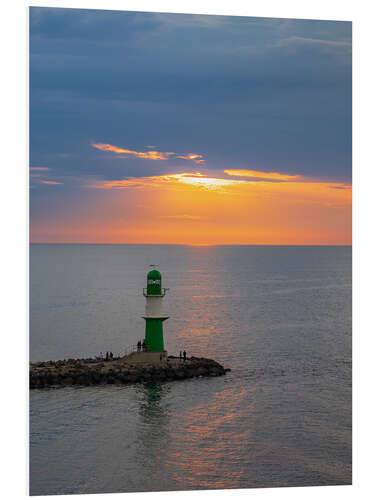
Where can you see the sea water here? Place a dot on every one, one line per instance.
(279, 317)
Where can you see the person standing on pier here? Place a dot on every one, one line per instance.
(184, 355)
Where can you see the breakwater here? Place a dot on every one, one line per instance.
(87, 372)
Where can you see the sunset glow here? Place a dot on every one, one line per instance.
(189, 132)
(194, 208)
(196, 179)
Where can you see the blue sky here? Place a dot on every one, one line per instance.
(245, 93)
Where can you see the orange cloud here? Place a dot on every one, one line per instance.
(194, 157)
(51, 182)
(194, 178)
(148, 155)
(256, 174)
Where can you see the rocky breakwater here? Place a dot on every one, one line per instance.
(87, 372)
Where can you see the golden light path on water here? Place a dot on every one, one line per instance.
(211, 433)
(212, 438)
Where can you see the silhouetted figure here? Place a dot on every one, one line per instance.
(106, 356)
(144, 346)
(184, 355)
(139, 345)
(111, 355)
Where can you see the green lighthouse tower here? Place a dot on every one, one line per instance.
(154, 316)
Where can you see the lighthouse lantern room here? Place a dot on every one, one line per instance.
(154, 316)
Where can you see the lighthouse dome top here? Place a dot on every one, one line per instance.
(154, 282)
(154, 274)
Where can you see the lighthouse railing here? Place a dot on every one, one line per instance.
(162, 294)
(132, 348)
(128, 350)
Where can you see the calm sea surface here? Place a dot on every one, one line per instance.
(279, 317)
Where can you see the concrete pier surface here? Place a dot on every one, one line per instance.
(138, 367)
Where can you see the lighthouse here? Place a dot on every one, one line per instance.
(154, 316)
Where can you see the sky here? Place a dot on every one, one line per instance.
(189, 129)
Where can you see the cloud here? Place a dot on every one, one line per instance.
(265, 181)
(39, 169)
(256, 174)
(194, 157)
(193, 178)
(267, 107)
(51, 182)
(337, 49)
(147, 155)
(299, 40)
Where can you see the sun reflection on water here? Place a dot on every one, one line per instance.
(204, 461)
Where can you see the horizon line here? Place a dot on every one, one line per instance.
(200, 244)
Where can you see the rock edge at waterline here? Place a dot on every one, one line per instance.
(90, 372)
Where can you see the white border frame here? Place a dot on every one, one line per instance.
(14, 212)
